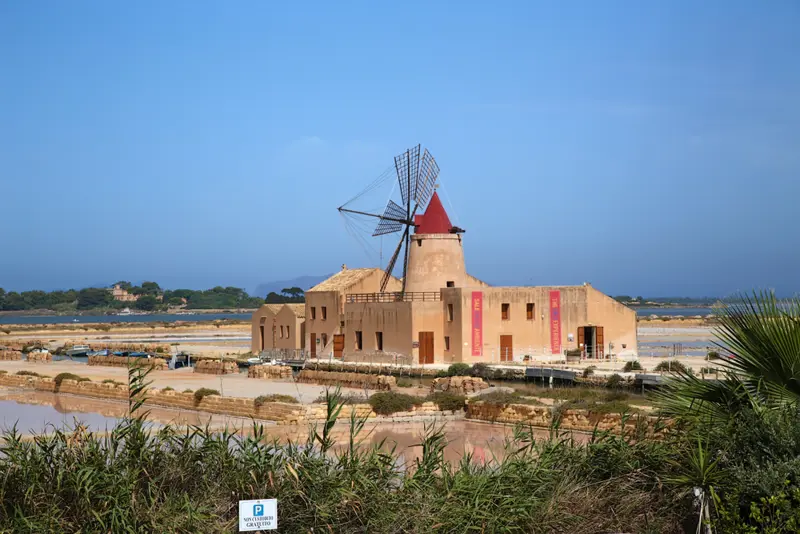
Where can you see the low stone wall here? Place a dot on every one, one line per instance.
(460, 385)
(394, 370)
(210, 367)
(278, 412)
(269, 371)
(10, 355)
(42, 357)
(123, 361)
(132, 347)
(350, 380)
(542, 416)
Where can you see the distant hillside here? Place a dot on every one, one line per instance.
(303, 282)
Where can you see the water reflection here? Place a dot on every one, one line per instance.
(36, 412)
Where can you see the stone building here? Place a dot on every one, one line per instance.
(445, 315)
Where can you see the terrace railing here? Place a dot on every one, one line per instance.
(419, 296)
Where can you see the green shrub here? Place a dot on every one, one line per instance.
(3, 372)
(673, 366)
(201, 393)
(28, 373)
(615, 381)
(448, 402)
(112, 381)
(187, 390)
(713, 355)
(459, 369)
(167, 389)
(480, 370)
(589, 371)
(68, 376)
(275, 397)
(404, 383)
(709, 370)
(344, 398)
(632, 365)
(389, 402)
(441, 374)
(502, 398)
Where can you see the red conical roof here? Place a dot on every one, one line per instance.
(435, 219)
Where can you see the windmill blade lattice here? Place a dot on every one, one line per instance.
(426, 179)
(407, 166)
(391, 221)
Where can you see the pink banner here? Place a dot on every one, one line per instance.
(477, 323)
(555, 321)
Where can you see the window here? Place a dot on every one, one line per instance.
(287, 332)
(530, 310)
(313, 312)
(505, 312)
(281, 331)
(446, 342)
(324, 313)
(450, 283)
(450, 312)
(359, 343)
(379, 340)
(324, 339)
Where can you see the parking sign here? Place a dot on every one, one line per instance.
(260, 514)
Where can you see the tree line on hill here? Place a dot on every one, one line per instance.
(151, 297)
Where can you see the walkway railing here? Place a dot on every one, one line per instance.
(420, 296)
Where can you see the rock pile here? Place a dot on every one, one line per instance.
(8, 355)
(351, 380)
(269, 371)
(216, 367)
(122, 361)
(460, 385)
(40, 357)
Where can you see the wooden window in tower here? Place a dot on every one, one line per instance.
(450, 312)
(324, 313)
(451, 283)
(379, 340)
(446, 342)
(505, 311)
(530, 311)
(313, 312)
(359, 340)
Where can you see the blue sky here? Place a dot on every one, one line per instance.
(645, 147)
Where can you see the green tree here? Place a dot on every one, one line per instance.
(93, 297)
(295, 294)
(151, 288)
(146, 303)
(124, 285)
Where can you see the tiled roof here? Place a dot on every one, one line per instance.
(344, 279)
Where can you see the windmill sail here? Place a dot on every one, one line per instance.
(428, 172)
(392, 220)
(407, 166)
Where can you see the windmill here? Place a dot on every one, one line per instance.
(416, 179)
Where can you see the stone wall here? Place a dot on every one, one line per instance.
(269, 371)
(395, 370)
(212, 367)
(132, 347)
(9, 355)
(278, 412)
(542, 416)
(123, 361)
(351, 380)
(460, 385)
(40, 357)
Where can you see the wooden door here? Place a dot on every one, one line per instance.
(261, 332)
(582, 340)
(425, 347)
(599, 341)
(338, 345)
(506, 349)
(313, 340)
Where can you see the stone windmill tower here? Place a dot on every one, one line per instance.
(433, 256)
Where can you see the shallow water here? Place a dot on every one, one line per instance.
(37, 412)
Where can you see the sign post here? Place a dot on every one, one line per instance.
(260, 514)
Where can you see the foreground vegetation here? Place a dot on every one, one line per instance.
(731, 460)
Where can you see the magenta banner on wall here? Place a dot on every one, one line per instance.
(477, 323)
(555, 321)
